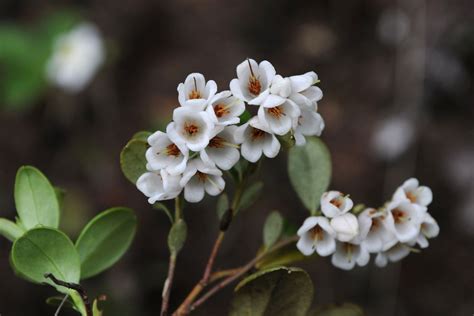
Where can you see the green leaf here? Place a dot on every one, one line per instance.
(281, 257)
(245, 117)
(95, 309)
(222, 205)
(10, 230)
(250, 195)
(309, 169)
(142, 135)
(35, 199)
(346, 309)
(133, 160)
(46, 250)
(278, 292)
(105, 239)
(177, 236)
(272, 228)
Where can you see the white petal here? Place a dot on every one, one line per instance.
(269, 71)
(252, 151)
(271, 146)
(309, 223)
(326, 246)
(305, 245)
(214, 185)
(236, 90)
(194, 190)
(346, 226)
(272, 101)
(381, 260)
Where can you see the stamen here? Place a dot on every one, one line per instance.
(316, 233)
(256, 133)
(400, 216)
(337, 202)
(276, 112)
(195, 94)
(172, 150)
(220, 110)
(216, 142)
(201, 176)
(349, 248)
(254, 84)
(191, 129)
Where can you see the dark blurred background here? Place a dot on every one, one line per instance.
(398, 102)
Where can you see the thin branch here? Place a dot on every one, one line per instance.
(61, 305)
(73, 286)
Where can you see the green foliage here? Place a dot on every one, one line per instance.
(105, 239)
(133, 160)
(272, 229)
(281, 257)
(46, 250)
(142, 135)
(35, 199)
(250, 195)
(177, 236)
(10, 230)
(245, 117)
(222, 205)
(346, 309)
(278, 292)
(309, 169)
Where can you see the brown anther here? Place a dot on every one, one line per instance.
(201, 176)
(194, 95)
(316, 233)
(257, 133)
(337, 202)
(220, 110)
(191, 129)
(254, 85)
(217, 142)
(172, 150)
(276, 112)
(411, 197)
(399, 216)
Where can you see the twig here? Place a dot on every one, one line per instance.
(73, 286)
(61, 305)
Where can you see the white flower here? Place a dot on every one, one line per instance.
(195, 92)
(256, 139)
(164, 154)
(411, 190)
(403, 219)
(76, 58)
(222, 149)
(158, 186)
(348, 254)
(374, 235)
(253, 81)
(309, 123)
(191, 128)
(429, 229)
(394, 254)
(199, 178)
(279, 119)
(225, 109)
(346, 226)
(316, 234)
(281, 86)
(334, 203)
(303, 92)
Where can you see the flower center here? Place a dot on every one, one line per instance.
(201, 176)
(411, 196)
(316, 233)
(375, 225)
(254, 85)
(191, 129)
(337, 202)
(349, 249)
(276, 112)
(217, 142)
(399, 216)
(220, 110)
(172, 150)
(194, 94)
(257, 133)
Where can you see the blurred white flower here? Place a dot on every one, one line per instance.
(279, 119)
(393, 137)
(199, 178)
(195, 92)
(403, 219)
(309, 123)
(77, 56)
(191, 128)
(225, 109)
(393, 26)
(347, 255)
(394, 254)
(316, 234)
(164, 154)
(222, 149)
(429, 229)
(158, 186)
(256, 139)
(253, 81)
(412, 191)
(346, 226)
(334, 203)
(303, 92)
(374, 236)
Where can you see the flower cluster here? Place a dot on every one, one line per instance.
(391, 231)
(206, 133)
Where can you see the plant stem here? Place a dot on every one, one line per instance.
(76, 287)
(171, 267)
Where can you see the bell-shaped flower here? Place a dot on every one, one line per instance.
(199, 178)
(225, 109)
(256, 139)
(403, 219)
(77, 55)
(394, 254)
(158, 186)
(309, 123)
(253, 81)
(191, 128)
(429, 229)
(222, 149)
(164, 154)
(281, 86)
(334, 203)
(346, 226)
(374, 235)
(316, 234)
(347, 255)
(412, 191)
(196, 92)
(303, 92)
(279, 119)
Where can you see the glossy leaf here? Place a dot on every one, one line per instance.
(35, 199)
(10, 230)
(105, 239)
(46, 250)
(309, 169)
(278, 292)
(132, 159)
(177, 236)
(272, 228)
(250, 195)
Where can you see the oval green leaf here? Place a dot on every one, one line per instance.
(35, 199)
(309, 169)
(177, 236)
(277, 292)
(10, 230)
(46, 250)
(133, 160)
(105, 239)
(142, 135)
(272, 228)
